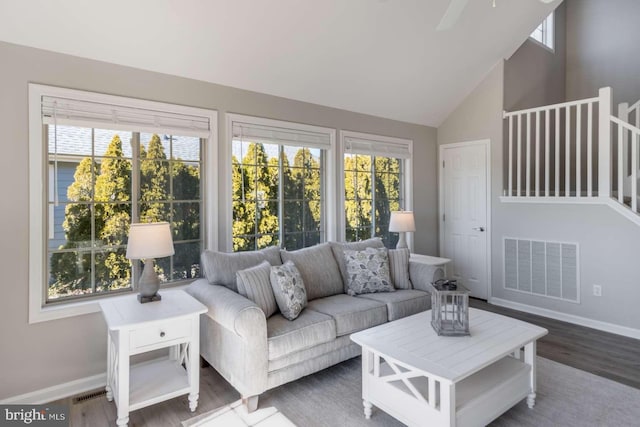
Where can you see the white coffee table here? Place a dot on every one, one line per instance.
(423, 379)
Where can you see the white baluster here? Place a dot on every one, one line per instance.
(546, 153)
(590, 149)
(537, 153)
(519, 150)
(635, 140)
(557, 144)
(567, 152)
(578, 150)
(621, 132)
(528, 157)
(510, 156)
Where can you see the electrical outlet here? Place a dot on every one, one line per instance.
(597, 290)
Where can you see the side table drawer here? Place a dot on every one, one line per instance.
(159, 333)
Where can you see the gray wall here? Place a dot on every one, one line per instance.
(602, 48)
(535, 75)
(609, 244)
(46, 354)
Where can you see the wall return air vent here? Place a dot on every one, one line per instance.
(548, 269)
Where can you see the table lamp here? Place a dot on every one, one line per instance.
(147, 242)
(402, 222)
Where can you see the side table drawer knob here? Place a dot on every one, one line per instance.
(161, 334)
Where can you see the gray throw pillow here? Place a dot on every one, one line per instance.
(338, 252)
(368, 271)
(399, 268)
(255, 284)
(288, 289)
(220, 268)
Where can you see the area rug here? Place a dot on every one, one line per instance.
(566, 397)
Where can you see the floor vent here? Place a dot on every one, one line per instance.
(548, 269)
(89, 396)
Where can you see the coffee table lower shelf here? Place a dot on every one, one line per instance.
(417, 399)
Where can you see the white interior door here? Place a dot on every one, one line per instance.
(464, 217)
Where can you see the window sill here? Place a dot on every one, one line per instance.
(78, 308)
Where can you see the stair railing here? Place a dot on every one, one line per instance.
(631, 115)
(628, 135)
(539, 137)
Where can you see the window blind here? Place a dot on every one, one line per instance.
(280, 135)
(373, 147)
(74, 112)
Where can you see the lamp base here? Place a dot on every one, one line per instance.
(148, 284)
(402, 240)
(152, 298)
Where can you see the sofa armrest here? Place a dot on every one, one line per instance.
(233, 337)
(228, 308)
(422, 274)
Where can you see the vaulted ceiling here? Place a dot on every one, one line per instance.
(379, 57)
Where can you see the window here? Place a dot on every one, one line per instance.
(111, 161)
(544, 33)
(376, 171)
(278, 183)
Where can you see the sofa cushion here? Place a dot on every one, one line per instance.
(401, 303)
(254, 283)
(351, 314)
(338, 252)
(309, 329)
(220, 268)
(368, 271)
(318, 268)
(399, 268)
(288, 289)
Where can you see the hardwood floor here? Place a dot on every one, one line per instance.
(601, 353)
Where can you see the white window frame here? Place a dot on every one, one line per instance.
(38, 192)
(406, 170)
(547, 28)
(329, 196)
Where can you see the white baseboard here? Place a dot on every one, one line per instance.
(60, 391)
(569, 318)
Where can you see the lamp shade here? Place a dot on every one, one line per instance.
(402, 221)
(152, 240)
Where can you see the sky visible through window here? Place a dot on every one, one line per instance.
(544, 32)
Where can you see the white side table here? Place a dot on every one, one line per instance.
(135, 328)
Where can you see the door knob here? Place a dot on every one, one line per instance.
(478, 228)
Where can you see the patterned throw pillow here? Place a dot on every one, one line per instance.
(254, 283)
(288, 289)
(368, 271)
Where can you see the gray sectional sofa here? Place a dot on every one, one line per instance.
(255, 353)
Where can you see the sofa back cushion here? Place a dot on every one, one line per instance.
(318, 269)
(220, 268)
(338, 252)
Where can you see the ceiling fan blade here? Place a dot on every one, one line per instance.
(452, 14)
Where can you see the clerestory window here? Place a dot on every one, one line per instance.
(544, 33)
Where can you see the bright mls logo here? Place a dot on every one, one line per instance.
(36, 415)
